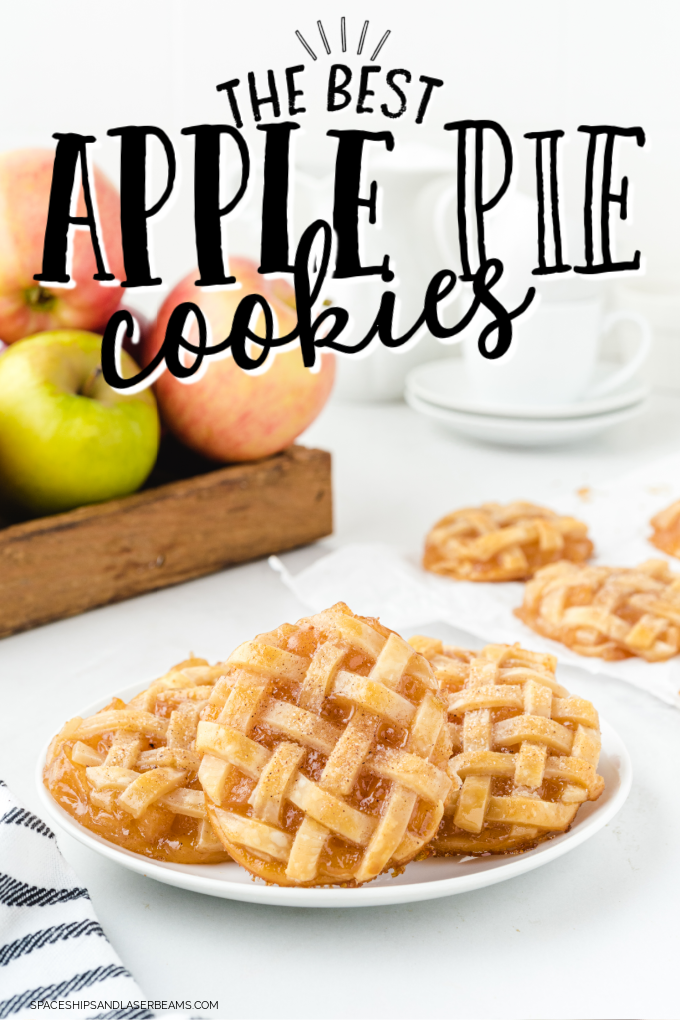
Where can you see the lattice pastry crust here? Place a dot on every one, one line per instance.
(666, 525)
(324, 748)
(129, 773)
(503, 543)
(608, 612)
(525, 751)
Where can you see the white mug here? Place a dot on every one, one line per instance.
(408, 234)
(405, 231)
(553, 356)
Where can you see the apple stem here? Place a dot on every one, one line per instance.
(40, 298)
(88, 385)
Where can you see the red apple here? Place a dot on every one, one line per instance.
(144, 325)
(230, 414)
(26, 307)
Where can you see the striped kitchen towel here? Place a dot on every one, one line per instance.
(52, 948)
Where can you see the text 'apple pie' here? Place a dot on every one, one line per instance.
(609, 612)
(324, 752)
(525, 751)
(503, 543)
(129, 773)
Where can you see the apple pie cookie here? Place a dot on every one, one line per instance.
(609, 612)
(324, 752)
(525, 751)
(666, 525)
(503, 543)
(129, 773)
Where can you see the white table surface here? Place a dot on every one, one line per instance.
(593, 934)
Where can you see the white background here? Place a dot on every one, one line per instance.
(593, 935)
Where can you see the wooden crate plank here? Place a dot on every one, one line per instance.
(62, 565)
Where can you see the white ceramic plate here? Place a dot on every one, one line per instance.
(445, 384)
(424, 880)
(521, 431)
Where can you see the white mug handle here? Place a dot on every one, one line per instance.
(439, 217)
(451, 259)
(628, 370)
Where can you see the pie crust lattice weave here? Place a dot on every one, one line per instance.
(609, 612)
(129, 773)
(324, 752)
(666, 534)
(503, 543)
(525, 751)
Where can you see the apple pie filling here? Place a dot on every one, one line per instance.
(324, 752)
(503, 543)
(129, 773)
(332, 751)
(524, 751)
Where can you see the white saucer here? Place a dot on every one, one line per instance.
(522, 431)
(445, 383)
(423, 880)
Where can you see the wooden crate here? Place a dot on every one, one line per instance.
(62, 565)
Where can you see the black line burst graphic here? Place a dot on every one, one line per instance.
(343, 40)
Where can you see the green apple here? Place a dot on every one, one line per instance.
(67, 438)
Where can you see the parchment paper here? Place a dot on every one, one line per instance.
(379, 580)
